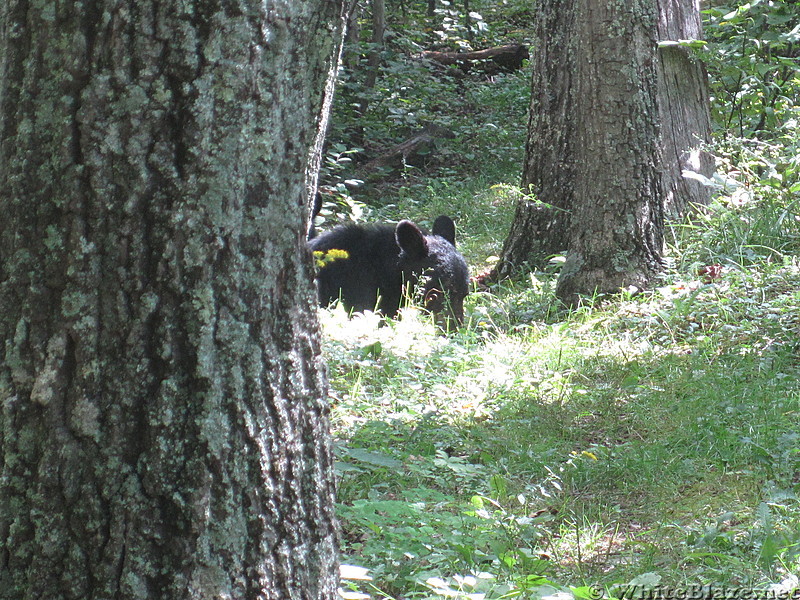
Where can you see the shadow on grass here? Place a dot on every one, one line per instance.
(624, 461)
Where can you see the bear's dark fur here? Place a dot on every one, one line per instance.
(382, 259)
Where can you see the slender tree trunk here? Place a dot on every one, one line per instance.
(372, 68)
(352, 53)
(684, 105)
(468, 21)
(163, 426)
(378, 33)
(374, 54)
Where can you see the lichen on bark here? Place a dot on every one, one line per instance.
(163, 427)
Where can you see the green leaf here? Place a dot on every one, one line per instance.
(374, 458)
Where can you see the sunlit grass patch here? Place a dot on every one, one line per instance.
(530, 405)
(610, 442)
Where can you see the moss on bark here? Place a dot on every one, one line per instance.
(164, 422)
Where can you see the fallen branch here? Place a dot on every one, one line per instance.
(413, 151)
(507, 58)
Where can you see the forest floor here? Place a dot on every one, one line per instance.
(648, 440)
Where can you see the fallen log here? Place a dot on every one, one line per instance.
(414, 151)
(506, 58)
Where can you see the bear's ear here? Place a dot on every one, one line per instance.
(411, 240)
(444, 227)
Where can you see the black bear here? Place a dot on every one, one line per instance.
(383, 259)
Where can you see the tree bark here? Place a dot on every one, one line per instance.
(555, 154)
(163, 423)
(351, 54)
(592, 157)
(683, 99)
(539, 228)
(616, 229)
(378, 32)
(372, 68)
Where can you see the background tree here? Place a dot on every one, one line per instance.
(555, 156)
(592, 154)
(616, 230)
(378, 32)
(164, 427)
(684, 106)
(539, 228)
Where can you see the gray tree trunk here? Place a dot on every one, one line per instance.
(378, 34)
(592, 154)
(351, 54)
(163, 423)
(683, 99)
(372, 68)
(584, 133)
(540, 225)
(615, 235)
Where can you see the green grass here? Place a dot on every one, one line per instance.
(656, 434)
(619, 441)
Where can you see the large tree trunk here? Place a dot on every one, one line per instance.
(592, 155)
(540, 224)
(684, 105)
(163, 426)
(616, 230)
(562, 123)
